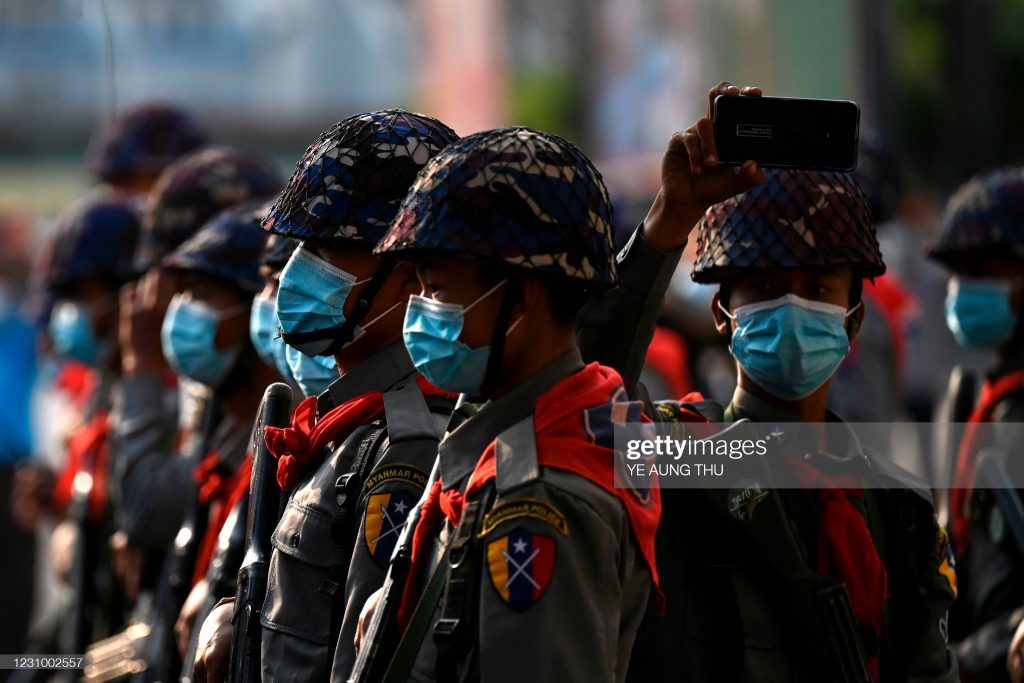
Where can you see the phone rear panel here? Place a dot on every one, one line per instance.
(786, 132)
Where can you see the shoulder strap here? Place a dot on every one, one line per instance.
(515, 452)
(408, 415)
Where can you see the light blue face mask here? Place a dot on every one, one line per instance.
(978, 311)
(313, 374)
(431, 333)
(266, 337)
(188, 338)
(790, 346)
(72, 333)
(311, 298)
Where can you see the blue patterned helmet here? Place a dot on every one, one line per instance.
(228, 247)
(984, 216)
(95, 237)
(348, 186)
(142, 141)
(793, 219)
(512, 195)
(194, 189)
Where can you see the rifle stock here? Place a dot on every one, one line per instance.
(264, 504)
(160, 650)
(382, 635)
(220, 578)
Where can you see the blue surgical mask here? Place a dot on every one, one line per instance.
(188, 337)
(266, 337)
(431, 332)
(790, 346)
(313, 374)
(71, 329)
(978, 311)
(311, 298)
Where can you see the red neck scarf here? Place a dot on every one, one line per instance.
(563, 442)
(299, 449)
(88, 452)
(221, 492)
(992, 394)
(846, 550)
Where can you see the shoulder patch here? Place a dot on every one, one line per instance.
(524, 507)
(385, 518)
(521, 564)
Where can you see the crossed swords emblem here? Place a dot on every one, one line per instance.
(520, 569)
(393, 528)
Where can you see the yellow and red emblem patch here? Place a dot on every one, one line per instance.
(521, 564)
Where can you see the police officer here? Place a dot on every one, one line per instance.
(529, 563)
(981, 241)
(357, 456)
(205, 337)
(94, 244)
(790, 256)
(335, 298)
(189, 193)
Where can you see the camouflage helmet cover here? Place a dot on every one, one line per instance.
(95, 237)
(985, 215)
(794, 219)
(529, 199)
(228, 247)
(348, 185)
(194, 189)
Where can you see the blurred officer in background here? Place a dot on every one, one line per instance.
(190, 192)
(92, 249)
(205, 337)
(981, 242)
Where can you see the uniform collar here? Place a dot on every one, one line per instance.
(460, 450)
(380, 372)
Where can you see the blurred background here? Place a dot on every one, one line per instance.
(937, 80)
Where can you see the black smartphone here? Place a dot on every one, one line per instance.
(787, 132)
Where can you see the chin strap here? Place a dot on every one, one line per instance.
(330, 340)
(513, 294)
